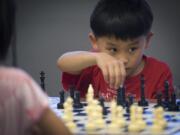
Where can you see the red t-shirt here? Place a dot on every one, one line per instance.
(155, 73)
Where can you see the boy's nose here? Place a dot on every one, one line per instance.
(125, 61)
(123, 58)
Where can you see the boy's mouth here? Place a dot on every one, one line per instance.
(127, 69)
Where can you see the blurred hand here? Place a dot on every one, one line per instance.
(113, 70)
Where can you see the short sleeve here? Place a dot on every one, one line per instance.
(22, 101)
(69, 79)
(80, 82)
(34, 100)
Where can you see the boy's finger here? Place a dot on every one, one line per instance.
(111, 75)
(117, 76)
(105, 74)
(123, 73)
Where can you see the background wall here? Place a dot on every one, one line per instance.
(48, 28)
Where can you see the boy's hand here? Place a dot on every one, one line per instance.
(113, 70)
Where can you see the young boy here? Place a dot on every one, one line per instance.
(24, 108)
(121, 31)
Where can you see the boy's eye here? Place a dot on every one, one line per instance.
(112, 50)
(132, 49)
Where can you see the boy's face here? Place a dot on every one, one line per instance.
(130, 51)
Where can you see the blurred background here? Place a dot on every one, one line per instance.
(45, 29)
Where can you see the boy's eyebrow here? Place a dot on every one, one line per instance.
(110, 43)
(130, 44)
(134, 42)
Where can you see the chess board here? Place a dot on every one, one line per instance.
(80, 118)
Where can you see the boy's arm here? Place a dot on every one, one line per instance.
(50, 124)
(112, 69)
(75, 62)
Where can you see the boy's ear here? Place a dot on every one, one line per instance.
(93, 41)
(148, 39)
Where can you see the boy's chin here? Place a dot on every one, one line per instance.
(129, 73)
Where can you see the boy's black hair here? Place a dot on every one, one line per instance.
(122, 19)
(7, 21)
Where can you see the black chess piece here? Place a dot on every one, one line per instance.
(101, 100)
(159, 100)
(61, 103)
(121, 99)
(131, 99)
(72, 90)
(166, 89)
(142, 101)
(77, 103)
(42, 78)
(129, 103)
(173, 106)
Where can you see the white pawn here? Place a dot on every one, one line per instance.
(99, 117)
(140, 121)
(71, 125)
(90, 127)
(159, 123)
(160, 117)
(156, 129)
(120, 119)
(90, 94)
(92, 115)
(133, 109)
(113, 127)
(68, 114)
(133, 126)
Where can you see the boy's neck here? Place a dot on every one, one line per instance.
(139, 68)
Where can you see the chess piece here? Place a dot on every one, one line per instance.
(68, 114)
(42, 78)
(94, 117)
(166, 100)
(159, 117)
(68, 110)
(142, 101)
(90, 127)
(130, 102)
(133, 126)
(71, 125)
(131, 99)
(77, 103)
(98, 116)
(159, 123)
(156, 129)
(113, 127)
(120, 119)
(159, 100)
(173, 106)
(61, 97)
(121, 99)
(139, 116)
(72, 89)
(101, 100)
(90, 94)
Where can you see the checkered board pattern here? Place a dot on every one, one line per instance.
(80, 118)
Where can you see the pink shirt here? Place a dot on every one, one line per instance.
(155, 73)
(21, 102)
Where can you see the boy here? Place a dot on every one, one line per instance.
(121, 31)
(24, 108)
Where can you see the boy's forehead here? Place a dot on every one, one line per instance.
(114, 40)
